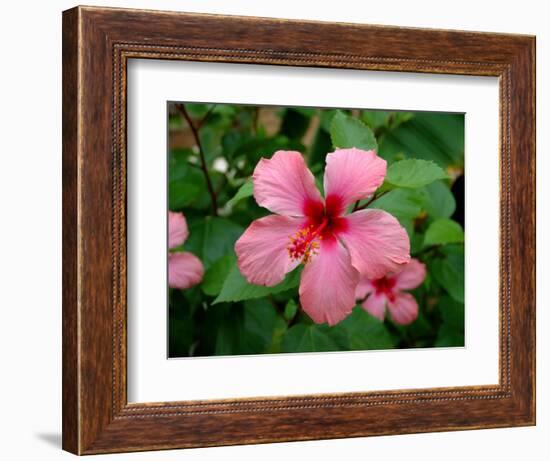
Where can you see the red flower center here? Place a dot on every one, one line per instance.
(324, 222)
(385, 286)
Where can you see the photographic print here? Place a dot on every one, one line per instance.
(299, 229)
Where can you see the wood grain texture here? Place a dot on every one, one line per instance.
(70, 383)
(97, 43)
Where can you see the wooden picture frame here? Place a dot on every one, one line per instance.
(97, 43)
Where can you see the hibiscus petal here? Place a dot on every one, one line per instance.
(184, 270)
(351, 175)
(364, 288)
(404, 309)
(376, 241)
(284, 185)
(177, 229)
(262, 251)
(327, 287)
(411, 276)
(375, 305)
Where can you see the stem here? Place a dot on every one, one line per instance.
(203, 120)
(183, 111)
(373, 198)
(427, 249)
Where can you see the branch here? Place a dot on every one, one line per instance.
(427, 249)
(205, 118)
(204, 168)
(356, 207)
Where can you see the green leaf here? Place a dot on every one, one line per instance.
(375, 118)
(417, 240)
(365, 332)
(313, 338)
(197, 110)
(214, 277)
(430, 136)
(246, 190)
(359, 331)
(226, 110)
(400, 203)
(438, 200)
(180, 326)
(443, 231)
(251, 328)
(403, 204)
(262, 320)
(413, 173)
(452, 312)
(449, 338)
(232, 337)
(445, 132)
(290, 309)
(236, 288)
(211, 238)
(185, 182)
(319, 149)
(449, 271)
(211, 137)
(400, 117)
(254, 148)
(416, 334)
(230, 142)
(451, 332)
(326, 119)
(346, 131)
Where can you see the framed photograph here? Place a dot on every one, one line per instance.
(280, 230)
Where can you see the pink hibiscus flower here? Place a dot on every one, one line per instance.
(386, 291)
(184, 269)
(334, 246)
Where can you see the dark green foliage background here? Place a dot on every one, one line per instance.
(225, 315)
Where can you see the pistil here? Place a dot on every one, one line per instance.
(306, 242)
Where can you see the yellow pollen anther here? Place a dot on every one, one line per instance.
(305, 243)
